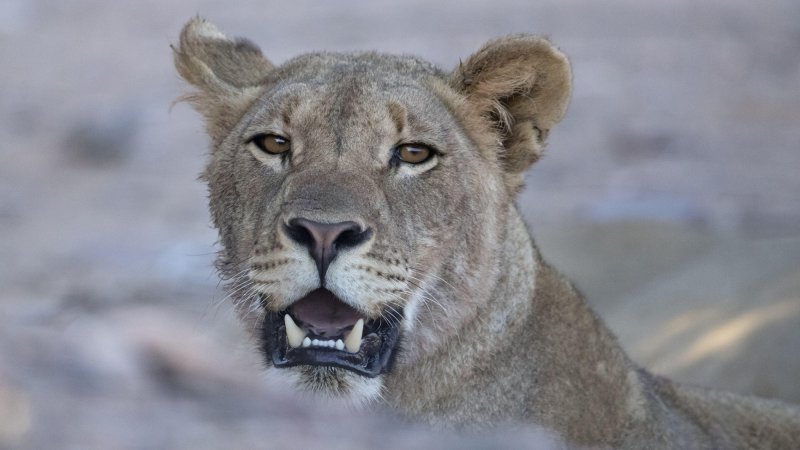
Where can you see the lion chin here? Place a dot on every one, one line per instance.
(327, 383)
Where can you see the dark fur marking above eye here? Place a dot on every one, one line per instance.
(398, 114)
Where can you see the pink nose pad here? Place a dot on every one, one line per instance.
(324, 240)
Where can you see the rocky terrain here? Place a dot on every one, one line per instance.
(670, 194)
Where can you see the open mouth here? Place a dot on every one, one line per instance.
(321, 330)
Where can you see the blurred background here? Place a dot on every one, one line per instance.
(670, 194)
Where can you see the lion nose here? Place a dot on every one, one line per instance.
(324, 240)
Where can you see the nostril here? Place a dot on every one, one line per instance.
(352, 237)
(298, 232)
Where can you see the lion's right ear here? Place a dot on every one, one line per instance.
(229, 73)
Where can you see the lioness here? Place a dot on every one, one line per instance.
(365, 204)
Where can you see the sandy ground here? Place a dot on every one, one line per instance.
(669, 194)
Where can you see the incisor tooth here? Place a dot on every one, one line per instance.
(294, 334)
(353, 340)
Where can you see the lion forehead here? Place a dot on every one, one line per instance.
(328, 68)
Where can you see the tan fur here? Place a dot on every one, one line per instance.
(490, 333)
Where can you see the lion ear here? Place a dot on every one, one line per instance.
(228, 73)
(522, 84)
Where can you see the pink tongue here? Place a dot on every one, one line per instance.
(324, 314)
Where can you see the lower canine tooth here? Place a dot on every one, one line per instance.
(294, 334)
(353, 340)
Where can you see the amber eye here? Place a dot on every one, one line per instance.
(272, 143)
(413, 153)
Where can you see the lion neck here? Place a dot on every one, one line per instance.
(439, 386)
(533, 349)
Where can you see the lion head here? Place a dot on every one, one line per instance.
(362, 198)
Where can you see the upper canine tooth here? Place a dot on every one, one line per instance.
(353, 340)
(294, 334)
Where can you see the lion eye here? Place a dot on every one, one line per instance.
(414, 153)
(272, 143)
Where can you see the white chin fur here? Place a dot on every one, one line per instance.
(361, 391)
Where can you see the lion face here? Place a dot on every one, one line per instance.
(360, 200)
(351, 184)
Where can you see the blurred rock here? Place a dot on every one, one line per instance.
(103, 138)
(708, 309)
(629, 147)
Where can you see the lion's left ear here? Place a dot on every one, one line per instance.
(522, 84)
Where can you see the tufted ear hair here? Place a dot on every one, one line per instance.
(522, 85)
(228, 73)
